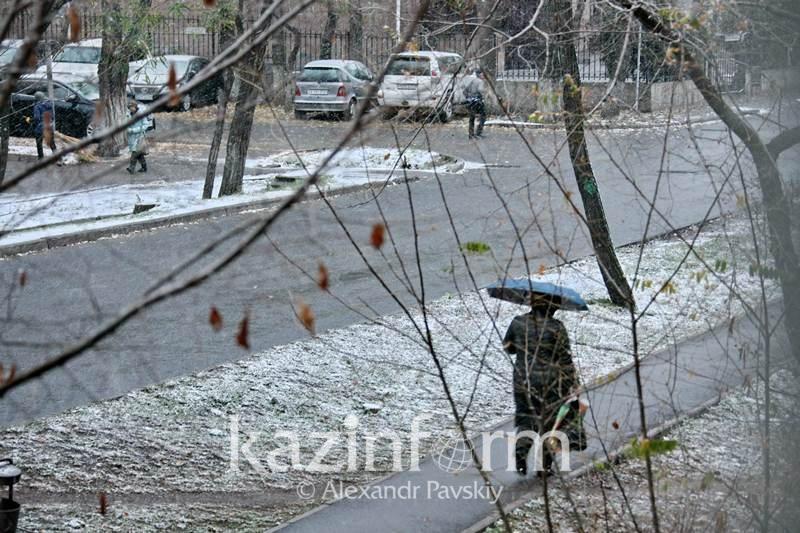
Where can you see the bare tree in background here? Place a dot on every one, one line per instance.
(250, 75)
(113, 76)
(329, 30)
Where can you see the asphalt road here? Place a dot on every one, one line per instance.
(71, 290)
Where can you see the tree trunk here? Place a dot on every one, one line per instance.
(242, 122)
(776, 204)
(356, 24)
(4, 135)
(292, 59)
(619, 290)
(113, 78)
(329, 32)
(223, 95)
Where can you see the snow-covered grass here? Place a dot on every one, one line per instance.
(176, 436)
(699, 487)
(26, 218)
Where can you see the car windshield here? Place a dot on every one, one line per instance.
(7, 55)
(78, 54)
(159, 68)
(409, 66)
(320, 74)
(88, 90)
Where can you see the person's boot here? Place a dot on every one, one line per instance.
(144, 166)
(522, 462)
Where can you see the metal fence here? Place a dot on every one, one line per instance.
(192, 35)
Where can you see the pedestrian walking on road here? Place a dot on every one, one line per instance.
(544, 380)
(137, 139)
(474, 94)
(43, 129)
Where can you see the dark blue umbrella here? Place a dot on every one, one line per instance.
(519, 291)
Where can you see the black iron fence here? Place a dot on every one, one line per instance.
(193, 35)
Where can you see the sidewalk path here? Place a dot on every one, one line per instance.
(676, 381)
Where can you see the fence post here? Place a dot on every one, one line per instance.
(501, 57)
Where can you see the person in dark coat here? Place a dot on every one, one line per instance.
(544, 375)
(474, 90)
(43, 123)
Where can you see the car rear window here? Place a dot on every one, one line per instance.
(319, 74)
(450, 64)
(409, 66)
(78, 54)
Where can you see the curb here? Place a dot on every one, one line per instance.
(599, 126)
(67, 239)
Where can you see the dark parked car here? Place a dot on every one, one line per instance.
(74, 98)
(148, 79)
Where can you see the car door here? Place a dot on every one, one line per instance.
(201, 94)
(453, 74)
(68, 119)
(73, 111)
(356, 85)
(22, 103)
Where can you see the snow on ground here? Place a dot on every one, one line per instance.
(356, 158)
(53, 214)
(23, 149)
(177, 436)
(699, 486)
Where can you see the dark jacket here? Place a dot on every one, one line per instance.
(45, 106)
(544, 374)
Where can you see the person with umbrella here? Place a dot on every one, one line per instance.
(545, 378)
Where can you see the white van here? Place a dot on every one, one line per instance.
(77, 59)
(422, 80)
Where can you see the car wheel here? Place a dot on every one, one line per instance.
(388, 113)
(350, 112)
(447, 111)
(186, 103)
(299, 115)
(89, 129)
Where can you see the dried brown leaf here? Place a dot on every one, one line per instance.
(103, 500)
(23, 278)
(48, 128)
(33, 60)
(74, 24)
(209, 3)
(244, 331)
(306, 316)
(324, 279)
(376, 239)
(542, 269)
(11, 373)
(615, 424)
(99, 110)
(172, 85)
(215, 319)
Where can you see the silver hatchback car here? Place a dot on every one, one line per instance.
(331, 86)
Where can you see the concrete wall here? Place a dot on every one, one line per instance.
(521, 96)
(521, 99)
(674, 94)
(774, 80)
